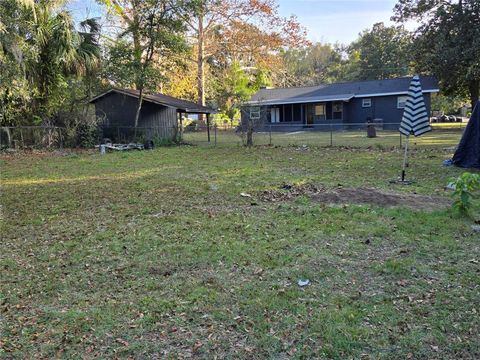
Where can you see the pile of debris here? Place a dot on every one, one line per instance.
(290, 191)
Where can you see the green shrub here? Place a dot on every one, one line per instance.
(465, 188)
(87, 135)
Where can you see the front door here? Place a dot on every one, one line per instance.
(310, 114)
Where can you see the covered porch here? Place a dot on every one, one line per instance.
(306, 114)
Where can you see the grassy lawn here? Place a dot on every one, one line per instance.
(445, 137)
(156, 255)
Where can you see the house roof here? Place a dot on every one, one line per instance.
(341, 91)
(160, 99)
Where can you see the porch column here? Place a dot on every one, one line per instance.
(181, 125)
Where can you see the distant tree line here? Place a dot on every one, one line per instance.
(213, 52)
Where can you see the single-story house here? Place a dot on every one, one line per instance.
(160, 116)
(345, 105)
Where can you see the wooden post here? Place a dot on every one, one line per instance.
(181, 126)
(208, 127)
(331, 135)
(292, 112)
(301, 114)
(405, 160)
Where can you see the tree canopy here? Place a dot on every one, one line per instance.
(447, 42)
(214, 52)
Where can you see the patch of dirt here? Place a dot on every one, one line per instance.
(361, 195)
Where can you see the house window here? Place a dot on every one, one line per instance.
(320, 110)
(366, 103)
(275, 115)
(401, 101)
(255, 113)
(337, 107)
(337, 111)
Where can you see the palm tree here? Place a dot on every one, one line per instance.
(62, 51)
(49, 50)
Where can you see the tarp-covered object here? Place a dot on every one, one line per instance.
(468, 151)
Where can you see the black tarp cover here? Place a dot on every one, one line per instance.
(468, 151)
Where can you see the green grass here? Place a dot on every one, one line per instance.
(440, 137)
(156, 254)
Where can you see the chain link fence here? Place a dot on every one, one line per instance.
(21, 137)
(335, 134)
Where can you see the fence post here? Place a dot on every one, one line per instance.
(331, 135)
(61, 137)
(215, 133)
(270, 134)
(208, 128)
(22, 143)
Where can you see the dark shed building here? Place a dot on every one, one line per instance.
(343, 105)
(160, 115)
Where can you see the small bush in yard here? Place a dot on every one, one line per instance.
(466, 186)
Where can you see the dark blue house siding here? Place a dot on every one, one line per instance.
(383, 109)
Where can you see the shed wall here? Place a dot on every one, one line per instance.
(117, 114)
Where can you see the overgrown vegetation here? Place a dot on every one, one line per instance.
(156, 254)
(213, 52)
(465, 188)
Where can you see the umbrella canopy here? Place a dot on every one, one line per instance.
(415, 117)
(468, 151)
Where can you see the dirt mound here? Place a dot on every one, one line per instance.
(345, 195)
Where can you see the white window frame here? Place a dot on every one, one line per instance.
(401, 101)
(255, 113)
(366, 102)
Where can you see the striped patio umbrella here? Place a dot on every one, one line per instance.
(415, 118)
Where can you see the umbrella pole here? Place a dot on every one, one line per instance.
(405, 159)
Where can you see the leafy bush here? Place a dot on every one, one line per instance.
(159, 141)
(465, 188)
(191, 126)
(87, 135)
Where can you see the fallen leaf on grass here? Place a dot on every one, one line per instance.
(197, 346)
(121, 341)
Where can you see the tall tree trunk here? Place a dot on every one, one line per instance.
(137, 49)
(201, 66)
(139, 108)
(137, 53)
(474, 89)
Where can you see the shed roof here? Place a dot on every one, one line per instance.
(341, 91)
(160, 99)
